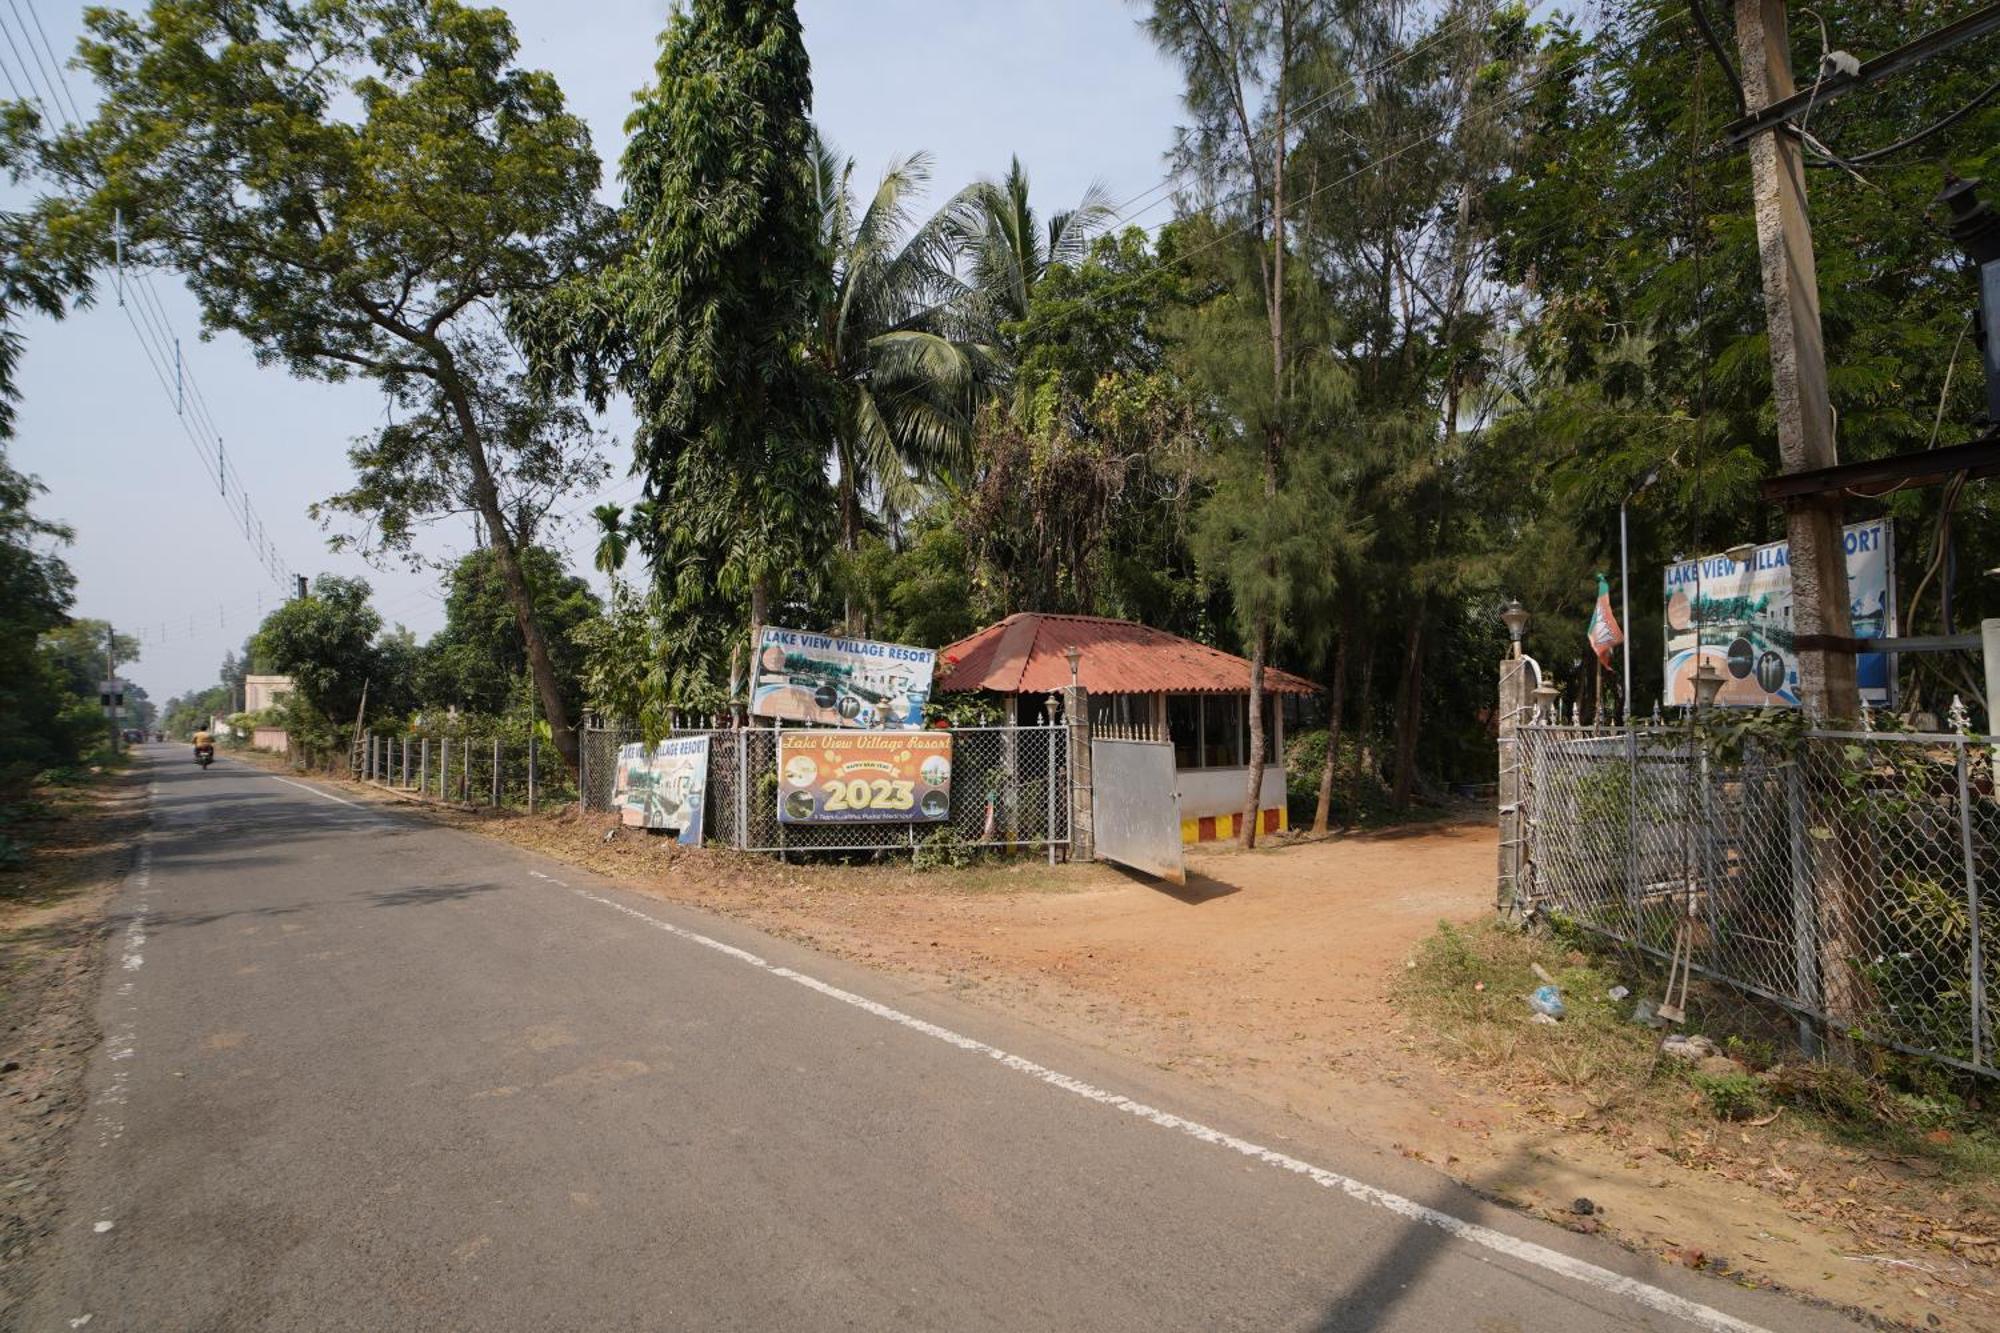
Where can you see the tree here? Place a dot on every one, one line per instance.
(893, 341)
(1009, 248)
(351, 186)
(1233, 53)
(1647, 351)
(415, 471)
(325, 641)
(1086, 477)
(475, 662)
(701, 319)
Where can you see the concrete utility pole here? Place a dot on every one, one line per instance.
(1827, 686)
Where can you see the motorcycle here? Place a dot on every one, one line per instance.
(204, 755)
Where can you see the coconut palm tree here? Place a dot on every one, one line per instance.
(894, 339)
(1008, 246)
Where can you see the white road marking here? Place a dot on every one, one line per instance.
(1499, 1242)
(314, 790)
(122, 1042)
(101, 1226)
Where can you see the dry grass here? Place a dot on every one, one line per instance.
(1465, 990)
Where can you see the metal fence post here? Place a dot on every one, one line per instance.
(1972, 911)
(424, 768)
(1805, 954)
(582, 768)
(531, 769)
(742, 787)
(496, 772)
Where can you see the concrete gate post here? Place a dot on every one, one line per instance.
(1082, 833)
(1515, 698)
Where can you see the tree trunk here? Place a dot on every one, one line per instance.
(1274, 441)
(1255, 788)
(1336, 692)
(486, 497)
(1410, 711)
(850, 540)
(1364, 730)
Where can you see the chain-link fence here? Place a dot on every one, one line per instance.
(1009, 788)
(1850, 877)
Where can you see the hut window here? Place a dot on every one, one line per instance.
(1222, 725)
(1184, 727)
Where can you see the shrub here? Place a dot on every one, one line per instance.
(1735, 1096)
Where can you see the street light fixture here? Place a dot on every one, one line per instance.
(1515, 617)
(1073, 655)
(1741, 552)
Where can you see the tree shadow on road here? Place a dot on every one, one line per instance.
(420, 895)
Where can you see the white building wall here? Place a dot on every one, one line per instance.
(1219, 791)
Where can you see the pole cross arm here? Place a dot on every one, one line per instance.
(1976, 24)
(1877, 477)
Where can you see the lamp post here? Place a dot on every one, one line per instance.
(1515, 617)
(1073, 655)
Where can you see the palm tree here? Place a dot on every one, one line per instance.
(1010, 249)
(893, 339)
(612, 540)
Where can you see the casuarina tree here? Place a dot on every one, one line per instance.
(353, 186)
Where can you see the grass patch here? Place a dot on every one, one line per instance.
(1466, 989)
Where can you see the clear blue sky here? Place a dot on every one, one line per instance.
(1072, 86)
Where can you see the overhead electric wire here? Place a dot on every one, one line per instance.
(1416, 141)
(147, 313)
(1298, 115)
(1979, 99)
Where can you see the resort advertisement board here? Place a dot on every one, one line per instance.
(845, 777)
(666, 787)
(1744, 609)
(826, 681)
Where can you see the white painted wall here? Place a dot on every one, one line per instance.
(1219, 791)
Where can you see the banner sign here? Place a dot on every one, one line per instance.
(844, 777)
(666, 788)
(1746, 621)
(832, 682)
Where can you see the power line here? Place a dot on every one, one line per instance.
(1416, 141)
(151, 323)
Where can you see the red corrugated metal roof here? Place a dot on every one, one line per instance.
(1023, 654)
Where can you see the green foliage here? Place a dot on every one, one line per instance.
(352, 186)
(942, 849)
(475, 663)
(920, 592)
(325, 642)
(699, 319)
(1733, 1096)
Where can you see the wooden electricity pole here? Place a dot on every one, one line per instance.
(1827, 686)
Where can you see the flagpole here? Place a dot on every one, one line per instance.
(1625, 611)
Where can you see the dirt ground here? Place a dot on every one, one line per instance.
(1272, 974)
(52, 928)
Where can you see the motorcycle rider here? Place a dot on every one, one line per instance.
(203, 744)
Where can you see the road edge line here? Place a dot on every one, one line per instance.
(1499, 1242)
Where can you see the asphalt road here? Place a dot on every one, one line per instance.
(362, 1072)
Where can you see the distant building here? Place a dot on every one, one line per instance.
(1146, 681)
(262, 692)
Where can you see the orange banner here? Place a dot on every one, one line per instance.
(848, 777)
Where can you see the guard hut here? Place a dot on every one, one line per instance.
(1142, 682)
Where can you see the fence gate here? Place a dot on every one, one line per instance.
(1135, 804)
